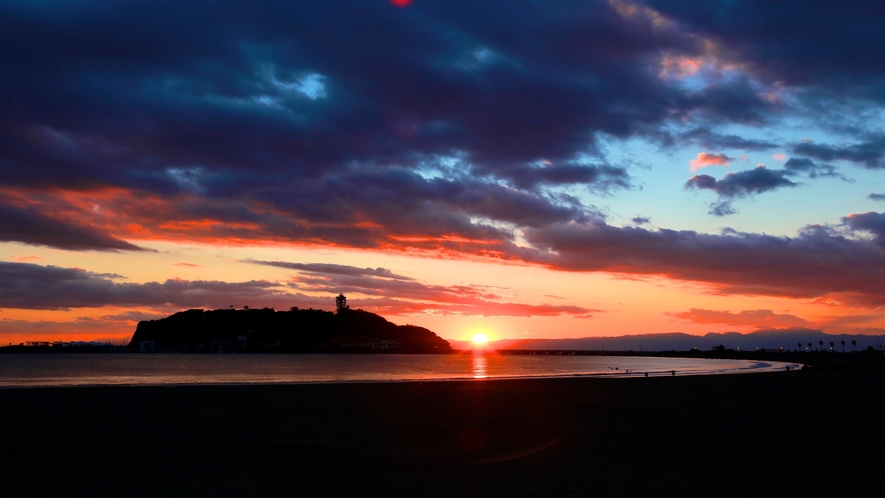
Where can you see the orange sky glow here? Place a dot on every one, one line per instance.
(562, 170)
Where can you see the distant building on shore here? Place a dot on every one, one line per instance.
(383, 345)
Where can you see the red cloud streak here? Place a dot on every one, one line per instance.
(837, 263)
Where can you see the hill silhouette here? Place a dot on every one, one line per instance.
(296, 330)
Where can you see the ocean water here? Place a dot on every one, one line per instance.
(68, 370)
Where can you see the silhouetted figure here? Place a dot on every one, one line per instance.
(673, 373)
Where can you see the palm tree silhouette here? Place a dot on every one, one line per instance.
(832, 345)
(800, 345)
(809, 346)
(821, 344)
(843, 346)
(853, 345)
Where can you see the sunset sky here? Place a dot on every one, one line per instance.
(523, 169)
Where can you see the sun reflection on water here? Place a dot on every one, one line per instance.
(480, 366)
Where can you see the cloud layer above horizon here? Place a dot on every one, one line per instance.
(491, 130)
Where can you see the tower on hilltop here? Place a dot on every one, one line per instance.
(341, 302)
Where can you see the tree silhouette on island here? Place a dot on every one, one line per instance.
(295, 331)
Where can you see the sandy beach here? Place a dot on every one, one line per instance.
(773, 434)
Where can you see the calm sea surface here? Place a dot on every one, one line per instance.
(60, 370)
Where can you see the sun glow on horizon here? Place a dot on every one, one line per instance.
(479, 339)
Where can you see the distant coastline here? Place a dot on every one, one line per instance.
(265, 330)
(770, 340)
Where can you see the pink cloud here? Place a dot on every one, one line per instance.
(755, 318)
(705, 159)
(847, 324)
(28, 257)
(679, 67)
(187, 265)
(780, 157)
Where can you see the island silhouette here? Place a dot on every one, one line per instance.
(257, 330)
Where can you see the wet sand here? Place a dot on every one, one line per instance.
(773, 434)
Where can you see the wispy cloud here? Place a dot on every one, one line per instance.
(30, 286)
(395, 294)
(26, 257)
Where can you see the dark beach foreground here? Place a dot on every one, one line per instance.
(777, 434)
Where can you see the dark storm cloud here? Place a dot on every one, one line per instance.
(362, 207)
(737, 185)
(870, 153)
(30, 226)
(172, 96)
(836, 48)
(818, 262)
(309, 86)
(877, 197)
(142, 91)
(284, 102)
(387, 191)
(871, 222)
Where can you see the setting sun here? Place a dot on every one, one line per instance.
(480, 339)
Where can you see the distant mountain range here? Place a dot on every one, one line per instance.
(789, 339)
